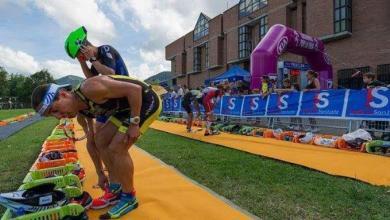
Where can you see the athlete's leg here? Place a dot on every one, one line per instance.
(103, 136)
(123, 173)
(190, 116)
(123, 168)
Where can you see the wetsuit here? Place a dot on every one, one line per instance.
(109, 57)
(189, 97)
(118, 111)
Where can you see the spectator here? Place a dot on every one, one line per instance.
(233, 88)
(266, 86)
(289, 87)
(370, 81)
(180, 92)
(185, 88)
(312, 81)
(172, 93)
(312, 84)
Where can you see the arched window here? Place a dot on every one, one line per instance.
(201, 27)
(249, 6)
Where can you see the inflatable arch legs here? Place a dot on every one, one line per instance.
(281, 39)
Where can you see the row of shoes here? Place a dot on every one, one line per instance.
(54, 192)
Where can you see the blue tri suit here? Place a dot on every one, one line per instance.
(108, 56)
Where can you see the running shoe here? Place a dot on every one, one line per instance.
(36, 199)
(126, 204)
(85, 200)
(110, 197)
(80, 173)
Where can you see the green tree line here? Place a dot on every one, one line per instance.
(21, 86)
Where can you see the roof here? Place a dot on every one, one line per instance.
(160, 77)
(233, 74)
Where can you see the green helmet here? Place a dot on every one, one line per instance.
(74, 41)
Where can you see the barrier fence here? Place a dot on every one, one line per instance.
(334, 111)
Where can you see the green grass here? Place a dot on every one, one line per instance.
(19, 152)
(268, 188)
(5, 114)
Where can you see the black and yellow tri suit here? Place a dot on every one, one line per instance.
(118, 110)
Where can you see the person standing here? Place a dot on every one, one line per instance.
(103, 60)
(312, 84)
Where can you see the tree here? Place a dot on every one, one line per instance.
(20, 86)
(3, 81)
(41, 77)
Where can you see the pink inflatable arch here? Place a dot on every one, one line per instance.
(280, 39)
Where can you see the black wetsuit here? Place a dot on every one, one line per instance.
(189, 97)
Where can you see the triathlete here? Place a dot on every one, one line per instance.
(130, 105)
(104, 60)
(210, 97)
(195, 97)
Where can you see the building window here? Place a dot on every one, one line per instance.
(207, 54)
(342, 16)
(197, 59)
(263, 26)
(201, 27)
(249, 6)
(244, 42)
(383, 73)
(346, 81)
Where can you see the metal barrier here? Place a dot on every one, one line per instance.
(378, 129)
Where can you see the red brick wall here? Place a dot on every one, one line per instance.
(179, 67)
(197, 79)
(189, 51)
(181, 81)
(369, 40)
(215, 50)
(319, 18)
(174, 48)
(230, 23)
(277, 14)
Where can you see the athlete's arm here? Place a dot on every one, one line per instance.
(87, 72)
(103, 69)
(87, 125)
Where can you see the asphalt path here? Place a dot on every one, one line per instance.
(6, 131)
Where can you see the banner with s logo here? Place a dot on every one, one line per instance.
(231, 105)
(176, 104)
(323, 103)
(284, 104)
(254, 105)
(369, 104)
(167, 105)
(217, 106)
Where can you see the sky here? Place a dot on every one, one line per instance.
(32, 32)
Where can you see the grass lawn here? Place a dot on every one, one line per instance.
(5, 114)
(19, 152)
(268, 188)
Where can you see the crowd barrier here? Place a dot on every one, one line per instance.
(367, 104)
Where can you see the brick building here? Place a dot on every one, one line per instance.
(356, 35)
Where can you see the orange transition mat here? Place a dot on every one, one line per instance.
(163, 192)
(368, 168)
